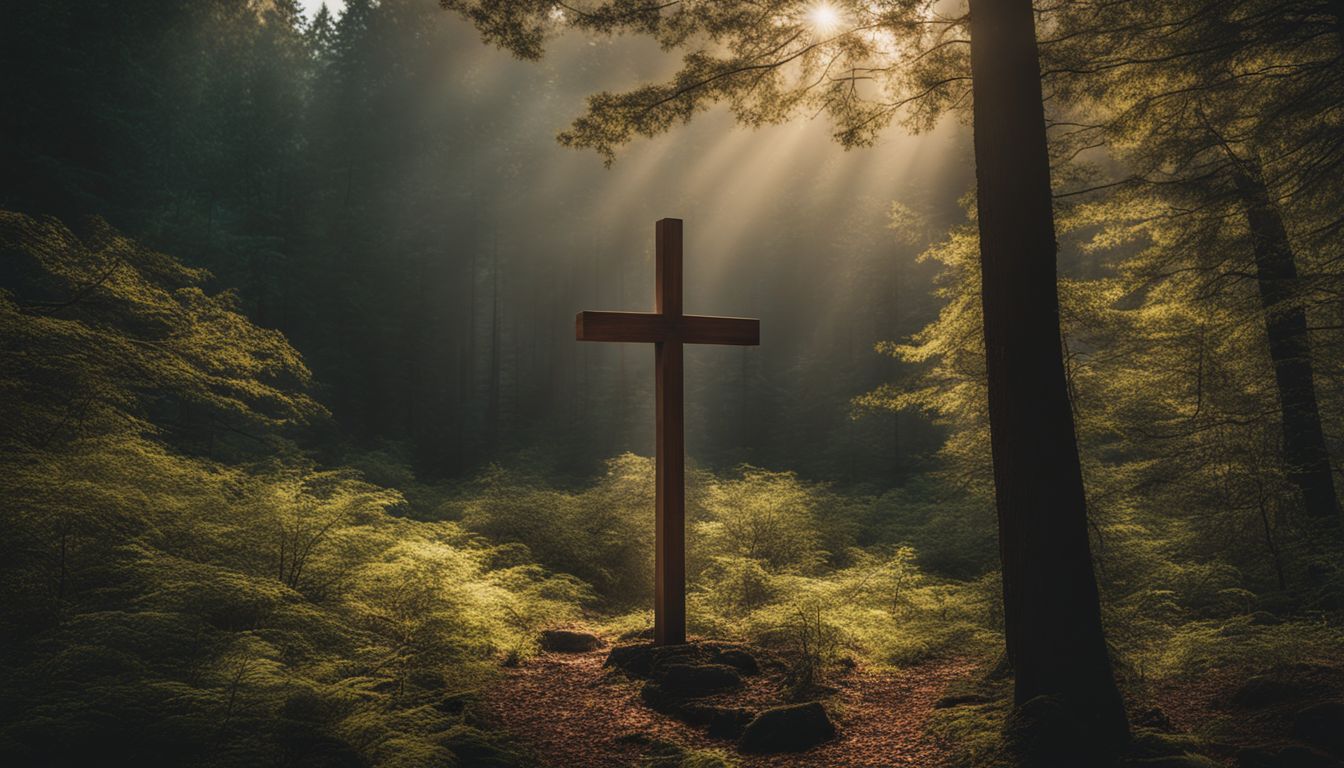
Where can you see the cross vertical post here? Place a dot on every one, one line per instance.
(669, 591)
(668, 329)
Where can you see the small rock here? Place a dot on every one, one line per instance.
(569, 641)
(788, 729)
(690, 680)
(646, 659)
(1322, 725)
(665, 655)
(634, 660)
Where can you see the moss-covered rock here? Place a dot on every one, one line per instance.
(791, 728)
(646, 660)
(694, 680)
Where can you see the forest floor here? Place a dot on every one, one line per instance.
(568, 710)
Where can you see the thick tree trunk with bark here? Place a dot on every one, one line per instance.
(1304, 449)
(1052, 613)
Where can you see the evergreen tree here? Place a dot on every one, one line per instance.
(320, 34)
(1222, 125)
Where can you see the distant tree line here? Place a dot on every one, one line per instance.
(330, 172)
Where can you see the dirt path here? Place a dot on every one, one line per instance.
(572, 713)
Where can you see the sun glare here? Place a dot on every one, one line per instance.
(824, 18)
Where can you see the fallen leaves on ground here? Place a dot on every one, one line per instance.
(569, 711)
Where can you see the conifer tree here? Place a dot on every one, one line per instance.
(320, 34)
(1225, 123)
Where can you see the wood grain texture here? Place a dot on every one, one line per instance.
(700, 329)
(621, 326)
(669, 587)
(650, 327)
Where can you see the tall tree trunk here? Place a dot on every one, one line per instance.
(1052, 615)
(1304, 450)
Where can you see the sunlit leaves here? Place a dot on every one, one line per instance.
(100, 331)
(213, 613)
(867, 65)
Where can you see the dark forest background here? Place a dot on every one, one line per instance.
(385, 191)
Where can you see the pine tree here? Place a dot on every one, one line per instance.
(1224, 121)
(320, 35)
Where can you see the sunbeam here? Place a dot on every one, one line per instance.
(824, 18)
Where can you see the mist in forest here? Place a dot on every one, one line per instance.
(456, 239)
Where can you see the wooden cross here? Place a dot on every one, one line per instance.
(667, 328)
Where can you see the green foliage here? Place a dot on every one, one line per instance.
(883, 609)
(126, 333)
(204, 612)
(765, 518)
(974, 733)
(179, 578)
(768, 63)
(168, 608)
(950, 384)
(758, 566)
(260, 608)
(603, 534)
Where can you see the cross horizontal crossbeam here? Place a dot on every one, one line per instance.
(655, 327)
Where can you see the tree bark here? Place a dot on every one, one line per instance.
(1304, 450)
(1052, 615)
